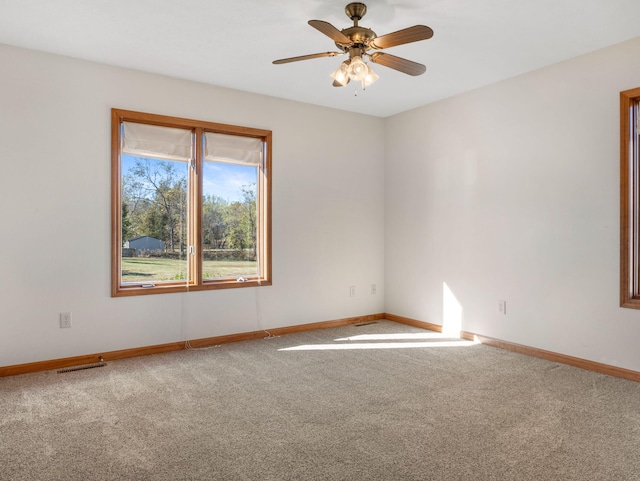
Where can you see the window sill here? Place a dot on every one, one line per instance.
(138, 290)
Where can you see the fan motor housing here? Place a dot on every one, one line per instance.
(360, 36)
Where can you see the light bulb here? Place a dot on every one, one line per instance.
(357, 68)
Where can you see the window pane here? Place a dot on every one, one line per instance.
(229, 221)
(154, 220)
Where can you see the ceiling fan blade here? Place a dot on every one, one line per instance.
(407, 35)
(330, 31)
(400, 64)
(307, 57)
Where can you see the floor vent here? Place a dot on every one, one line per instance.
(365, 323)
(82, 368)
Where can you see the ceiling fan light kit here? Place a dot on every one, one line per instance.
(357, 41)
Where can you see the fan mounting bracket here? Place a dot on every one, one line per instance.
(355, 11)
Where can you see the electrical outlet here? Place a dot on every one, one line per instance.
(352, 291)
(373, 289)
(65, 319)
(502, 307)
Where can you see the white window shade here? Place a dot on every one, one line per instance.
(233, 149)
(156, 142)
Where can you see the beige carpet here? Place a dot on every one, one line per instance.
(381, 401)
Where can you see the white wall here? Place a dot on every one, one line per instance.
(508, 192)
(511, 192)
(328, 222)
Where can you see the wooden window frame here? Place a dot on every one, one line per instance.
(196, 282)
(629, 199)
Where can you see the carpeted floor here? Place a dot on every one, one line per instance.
(382, 401)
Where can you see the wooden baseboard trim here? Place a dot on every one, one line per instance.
(529, 351)
(413, 322)
(54, 364)
(559, 358)
(245, 336)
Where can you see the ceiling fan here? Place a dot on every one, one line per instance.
(360, 42)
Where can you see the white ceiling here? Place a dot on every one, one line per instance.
(232, 43)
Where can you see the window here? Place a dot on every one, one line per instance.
(191, 205)
(629, 199)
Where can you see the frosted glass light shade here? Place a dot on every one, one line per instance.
(342, 74)
(357, 68)
(369, 78)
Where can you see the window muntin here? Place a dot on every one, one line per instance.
(173, 184)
